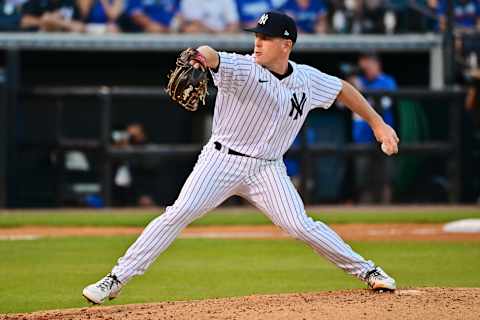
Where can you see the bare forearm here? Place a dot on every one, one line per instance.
(147, 24)
(29, 21)
(141, 20)
(384, 134)
(84, 7)
(211, 56)
(354, 100)
(196, 27)
(113, 10)
(442, 23)
(321, 25)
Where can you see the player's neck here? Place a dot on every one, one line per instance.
(284, 75)
(279, 68)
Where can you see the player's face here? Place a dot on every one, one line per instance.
(370, 67)
(268, 50)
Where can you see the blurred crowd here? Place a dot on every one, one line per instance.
(227, 16)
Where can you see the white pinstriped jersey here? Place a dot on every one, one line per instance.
(259, 115)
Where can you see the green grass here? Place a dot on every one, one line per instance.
(247, 217)
(50, 273)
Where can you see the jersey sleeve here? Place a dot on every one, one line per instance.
(233, 70)
(324, 89)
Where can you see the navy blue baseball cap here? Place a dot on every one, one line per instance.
(276, 24)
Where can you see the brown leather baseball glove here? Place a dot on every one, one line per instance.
(188, 85)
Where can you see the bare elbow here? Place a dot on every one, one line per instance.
(344, 92)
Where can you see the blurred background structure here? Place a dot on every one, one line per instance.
(85, 121)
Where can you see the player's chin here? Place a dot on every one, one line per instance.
(259, 60)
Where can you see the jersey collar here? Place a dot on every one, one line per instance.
(286, 74)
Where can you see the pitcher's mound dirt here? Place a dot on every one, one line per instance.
(422, 303)
(356, 232)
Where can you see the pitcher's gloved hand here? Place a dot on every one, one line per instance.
(188, 82)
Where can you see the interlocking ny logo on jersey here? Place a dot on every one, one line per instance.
(263, 19)
(297, 106)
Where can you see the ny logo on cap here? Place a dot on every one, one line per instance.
(286, 33)
(263, 19)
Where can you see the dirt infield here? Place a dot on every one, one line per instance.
(355, 232)
(406, 304)
(388, 208)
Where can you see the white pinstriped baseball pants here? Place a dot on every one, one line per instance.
(217, 176)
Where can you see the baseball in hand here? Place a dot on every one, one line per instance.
(386, 150)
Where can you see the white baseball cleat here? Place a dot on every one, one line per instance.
(108, 287)
(379, 280)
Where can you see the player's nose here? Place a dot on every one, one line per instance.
(258, 42)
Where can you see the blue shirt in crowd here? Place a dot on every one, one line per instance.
(361, 131)
(306, 18)
(293, 165)
(161, 11)
(249, 11)
(97, 13)
(466, 12)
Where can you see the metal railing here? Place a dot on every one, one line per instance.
(307, 152)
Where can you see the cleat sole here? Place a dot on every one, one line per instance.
(90, 300)
(383, 290)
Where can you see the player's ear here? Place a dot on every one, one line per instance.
(287, 44)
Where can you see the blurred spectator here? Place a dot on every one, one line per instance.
(10, 14)
(366, 16)
(368, 173)
(100, 16)
(310, 15)
(152, 16)
(293, 163)
(209, 16)
(416, 16)
(470, 133)
(372, 16)
(432, 4)
(131, 177)
(363, 16)
(250, 10)
(372, 78)
(341, 16)
(51, 15)
(430, 16)
(278, 3)
(472, 103)
(466, 13)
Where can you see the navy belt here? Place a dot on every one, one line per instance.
(219, 147)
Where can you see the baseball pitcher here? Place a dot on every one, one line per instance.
(262, 101)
